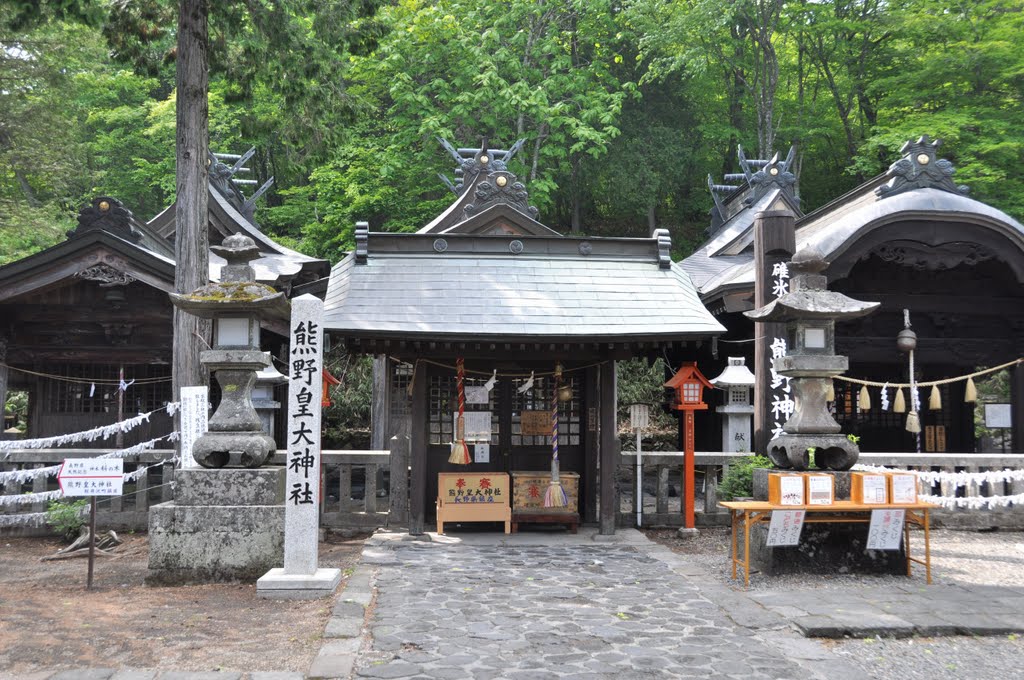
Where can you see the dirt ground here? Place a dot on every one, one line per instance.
(48, 620)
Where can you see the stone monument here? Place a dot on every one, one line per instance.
(226, 523)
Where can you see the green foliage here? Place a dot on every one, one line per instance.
(739, 480)
(67, 517)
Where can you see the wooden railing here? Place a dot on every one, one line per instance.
(369, 489)
(662, 483)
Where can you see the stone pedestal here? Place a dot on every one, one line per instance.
(224, 525)
(826, 548)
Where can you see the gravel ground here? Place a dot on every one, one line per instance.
(958, 558)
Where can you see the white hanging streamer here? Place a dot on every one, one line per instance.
(489, 385)
(102, 432)
(885, 397)
(27, 498)
(974, 502)
(526, 386)
(27, 475)
(956, 479)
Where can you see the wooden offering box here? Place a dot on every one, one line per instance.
(473, 497)
(902, 488)
(528, 489)
(820, 489)
(784, 489)
(869, 488)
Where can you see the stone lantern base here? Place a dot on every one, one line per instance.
(831, 451)
(224, 525)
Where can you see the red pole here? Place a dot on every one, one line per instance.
(688, 456)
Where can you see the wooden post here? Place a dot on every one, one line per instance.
(1017, 407)
(689, 499)
(774, 243)
(609, 449)
(3, 382)
(588, 494)
(191, 239)
(399, 492)
(418, 451)
(380, 427)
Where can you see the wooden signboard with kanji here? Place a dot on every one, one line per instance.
(536, 423)
(473, 497)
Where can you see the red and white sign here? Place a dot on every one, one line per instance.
(91, 477)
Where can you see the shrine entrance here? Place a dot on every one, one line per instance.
(508, 428)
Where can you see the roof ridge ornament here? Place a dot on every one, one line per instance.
(362, 242)
(760, 176)
(470, 162)
(108, 214)
(920, 168)
(222, 178)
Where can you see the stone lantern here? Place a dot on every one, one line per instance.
(263, 394)
(810, 312)
(737, 381)
(236, 305)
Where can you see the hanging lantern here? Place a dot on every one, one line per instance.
(935, 399)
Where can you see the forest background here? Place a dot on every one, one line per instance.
(626, 107)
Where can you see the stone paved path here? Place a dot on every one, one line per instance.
(458, 610)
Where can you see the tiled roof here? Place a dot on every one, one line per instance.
(476, 288)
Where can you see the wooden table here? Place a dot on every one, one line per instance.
(750, 513)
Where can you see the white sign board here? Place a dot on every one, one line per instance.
(998, 415)
(886, 530)
(791, 490)
(92, 477)
(820, 490)
(477, 395)
(477, 423)
(639, 416)
(482, 453)
(195, 408)
(785, 527)
(904, 488)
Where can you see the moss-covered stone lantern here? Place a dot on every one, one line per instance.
(236, 304)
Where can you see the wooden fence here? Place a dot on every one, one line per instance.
(369, 489)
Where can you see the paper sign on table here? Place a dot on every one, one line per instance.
(785, 527)
(820, 490)
(904, 488)
(886, 530)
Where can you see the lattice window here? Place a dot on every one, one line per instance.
(444, 403)
(539, 399)
(401, 379)
(92, 388)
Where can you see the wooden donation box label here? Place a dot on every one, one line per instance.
(868, 488)
(528, 490)
(473, 497)
(820, 489)
(902, 488)
(785, 489)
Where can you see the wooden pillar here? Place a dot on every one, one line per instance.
(592, 401)
(418, 450)
(774, 243)
(191, 240)
(1017, 407)
(399, 491)
(380, 428)
(609, 449)
(4, 377)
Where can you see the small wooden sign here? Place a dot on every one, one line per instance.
(536, 423)
(940, 438)
(929, 438)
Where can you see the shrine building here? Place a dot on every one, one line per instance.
(488, 286)
(911, 239)
(79, 315)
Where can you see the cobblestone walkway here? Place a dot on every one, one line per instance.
(539, 612)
